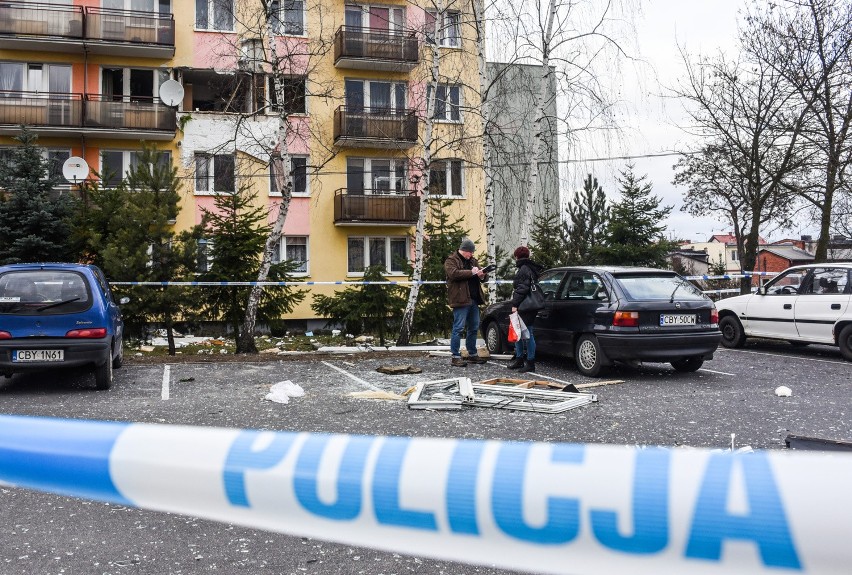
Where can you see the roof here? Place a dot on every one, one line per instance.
(791, 253)
(732, 239)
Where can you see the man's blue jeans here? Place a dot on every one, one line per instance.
(519, 346)
(464, 317)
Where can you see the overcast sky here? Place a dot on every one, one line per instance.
(700, 26)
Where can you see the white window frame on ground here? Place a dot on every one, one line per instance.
(451, 183)
(207, 176)
(127, 157)
(446, 109)
(299, 180)
(450, 21)
(367, 252)
(284, 26)
(286, 248)
(211, 24)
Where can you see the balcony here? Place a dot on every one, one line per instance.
(364, 49)
(63, 28)
(374, 128)
(51, 114)
(372, 209)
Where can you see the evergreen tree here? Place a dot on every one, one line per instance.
(634, 232)
(548, 242)
(96, 218)
(34, 221)
(365, 308)
(237, 230)
(588, 214)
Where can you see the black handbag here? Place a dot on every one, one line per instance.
(534, 300)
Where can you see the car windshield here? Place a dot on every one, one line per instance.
(43, 292)
(658, 287)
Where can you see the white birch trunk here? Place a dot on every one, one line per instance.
(417, 274)
(538, 128)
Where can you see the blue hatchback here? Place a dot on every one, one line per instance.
(58, 315)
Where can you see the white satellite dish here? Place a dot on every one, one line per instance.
(75, 169)
(171, 93)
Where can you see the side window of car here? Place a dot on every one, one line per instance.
(827, 281)
(99, 276)
(788, 283)
(581, 286)
(549, 282)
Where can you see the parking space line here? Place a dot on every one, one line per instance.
(166, 377)
(366, 384)
(714, 371)
(790, 356)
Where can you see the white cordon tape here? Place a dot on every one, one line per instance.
(540, 507)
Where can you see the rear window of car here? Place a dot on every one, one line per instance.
(657, 287)
(44, 292)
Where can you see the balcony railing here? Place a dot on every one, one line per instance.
(52, 27)
(374, 49)
(374, 127)
(41, 109)
(140, 113)
(388, 208)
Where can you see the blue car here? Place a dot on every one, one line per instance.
(59, 315)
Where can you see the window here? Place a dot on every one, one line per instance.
(161, 6)
(294, 249)
(449, 30)
(447, 102)
(828, 281)
(54, 158)
(381, 97)
(116, 164)
(214, 15)
(388, 252)
(293, 90)
(132, 84)
(445, 179)
(299, 171)
(288, 17)
(375, 175)
(214, 173)
(20, 77)
(734, 256)
(374, 18)
(205, 255)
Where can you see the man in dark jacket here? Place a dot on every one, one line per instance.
(464, 290)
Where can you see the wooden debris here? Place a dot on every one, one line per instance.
(398, 369)
(369, 394)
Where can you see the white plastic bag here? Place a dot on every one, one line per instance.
(517, 328)
(282, 391)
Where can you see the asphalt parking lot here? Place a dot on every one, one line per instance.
(654, 405)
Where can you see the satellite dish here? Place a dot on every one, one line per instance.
(171, 93)
(75, 169)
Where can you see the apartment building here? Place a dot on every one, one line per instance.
(353, 78)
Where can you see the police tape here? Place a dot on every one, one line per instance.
(541, 507)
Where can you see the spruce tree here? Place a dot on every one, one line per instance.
(548, 243)
(34, 220)
(634, 232)
(237, 229)
(587, 218)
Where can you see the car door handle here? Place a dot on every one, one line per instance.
(835, 306)
(788, 306)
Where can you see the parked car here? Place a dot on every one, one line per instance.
(601, 315)
(803, 305)
(58, 315)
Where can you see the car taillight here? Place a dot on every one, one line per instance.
(89, 333)
(714, 315)
(626, 319)
(5, 335)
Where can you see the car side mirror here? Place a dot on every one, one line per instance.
(761, 290)
(124, 300)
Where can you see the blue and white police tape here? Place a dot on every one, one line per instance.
(542, 507)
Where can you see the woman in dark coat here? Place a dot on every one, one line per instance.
(525, 277)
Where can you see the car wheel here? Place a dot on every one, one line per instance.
(845, 342)
(103, 375)
(732, 332)
(589, 356)
(118, 360)
(493, 338)
(688, 364)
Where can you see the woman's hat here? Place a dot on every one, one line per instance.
(522, 252)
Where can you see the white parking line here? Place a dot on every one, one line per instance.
(366, 384)
(166, 377)
(790, 356)
(714, 371)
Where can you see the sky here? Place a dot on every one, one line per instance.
(652, 118)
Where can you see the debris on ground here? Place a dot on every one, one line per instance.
(398, 369)
(186, 379)
(783, 391)
(282, 391)
(370, 394)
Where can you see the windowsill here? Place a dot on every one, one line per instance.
(285, 35)
(442, 121)
(445, 197)
(279, 195)
(289, 114)
(197, 193)
(214, 31)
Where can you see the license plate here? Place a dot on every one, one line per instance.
(677, 319)
(24, 355)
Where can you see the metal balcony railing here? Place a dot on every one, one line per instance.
(374, 127)
(367, 44)
(378, 207)
(35, 19)
(134, 112)
(41, 109)
(130, 26)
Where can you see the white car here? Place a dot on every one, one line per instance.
(802, 305)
